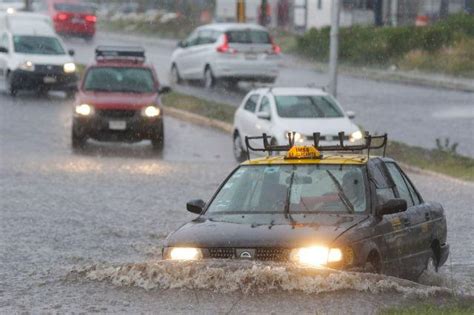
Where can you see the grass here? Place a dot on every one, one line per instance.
(458, 307)
(436, 160)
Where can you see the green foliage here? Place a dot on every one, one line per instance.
(373, 45)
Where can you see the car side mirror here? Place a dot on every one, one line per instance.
(351, 114)
(71, 52)
(164, 90)
(182, 44)
(264, 115)
(196, 206)
(392, 206)
(4, 50)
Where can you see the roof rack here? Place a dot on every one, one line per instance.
(340, 147)
(120, 53)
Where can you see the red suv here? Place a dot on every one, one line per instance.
(119, 99)
(73, 18)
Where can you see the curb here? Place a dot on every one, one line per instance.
(228, 128)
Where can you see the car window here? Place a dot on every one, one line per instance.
(248, 37)
(402, 188)
(193, 39)
(123, 79)
(307, 106)
(414, 194)
(251, 103)
(38, 45)
(265, 105)
(301, 188)
(4, 42)
(206, 37)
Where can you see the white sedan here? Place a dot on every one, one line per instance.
(278, 111)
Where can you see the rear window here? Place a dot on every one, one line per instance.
(114, 79)
(310, 106)
(77, 8)
(248, 37)
(38, 45)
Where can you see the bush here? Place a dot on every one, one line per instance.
(372, 45)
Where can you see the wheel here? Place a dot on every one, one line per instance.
(209, 80)
(239, 152)
(175, 78)
(373, 264)
(77, 141)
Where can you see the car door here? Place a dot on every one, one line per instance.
(5, 44)
(248, 118)
(201, 52)
(263, 125)
(185, 58)
(417, 245)
(391, 227)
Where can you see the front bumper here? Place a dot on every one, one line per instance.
(261, 70)
(136, 128)
(52, 80)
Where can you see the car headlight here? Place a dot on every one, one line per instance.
(183, 253)
(298, 136)
(151, 111)
(355, 136)
(84, 110)
(316, 255)
(27, 66)
(69, 67)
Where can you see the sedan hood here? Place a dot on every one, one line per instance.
(107, 100)
(237, 231)
(327, 126)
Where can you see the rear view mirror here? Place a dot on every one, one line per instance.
(71, 52)
(164, 90)
(196, 206)
(4, 50)
(392, 206)
(263, 115)
(351, 114)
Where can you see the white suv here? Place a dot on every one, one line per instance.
(230, 52)
(278, 111)
(33, 57)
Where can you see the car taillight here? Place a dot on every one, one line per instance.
(91, 18)
(224, 48)
(276, 50)
(62, 17)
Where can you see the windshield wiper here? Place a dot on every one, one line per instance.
(287, 201)
(341, 194)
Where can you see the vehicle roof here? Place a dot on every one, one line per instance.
(235, 26)
(329, 159)
(120, 64)
(29, 24)
(291, 91)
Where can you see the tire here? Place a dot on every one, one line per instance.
(175, 78)
(373, 264)
(209, 79)
(77, 141)
(10, 88)
(239, 152)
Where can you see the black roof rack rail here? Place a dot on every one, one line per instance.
(368, 145)
(133, 53)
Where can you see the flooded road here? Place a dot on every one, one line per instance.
(83, 232)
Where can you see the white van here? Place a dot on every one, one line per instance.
(33, 57)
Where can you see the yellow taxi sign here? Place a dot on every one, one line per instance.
(303, 152)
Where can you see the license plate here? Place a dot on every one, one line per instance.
(49, 80)
(117, 125)
(251, 56)
(77, 21)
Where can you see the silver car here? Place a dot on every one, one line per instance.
(230, 52)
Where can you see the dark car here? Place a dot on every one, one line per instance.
(317, 207)
(119, 99)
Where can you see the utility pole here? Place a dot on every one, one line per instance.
(334, 47)
(29, 5)
(241, 11)
(263, 13)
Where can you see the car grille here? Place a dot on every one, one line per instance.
(265, 254)
(327, 138)
(49, 69)
(117, 113)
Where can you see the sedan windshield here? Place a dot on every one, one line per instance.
(114, 79)
(292, 189)
(38, 45)
(311, 106)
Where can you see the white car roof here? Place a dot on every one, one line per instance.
(232, 26)
(292, 91)
(30, 24)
